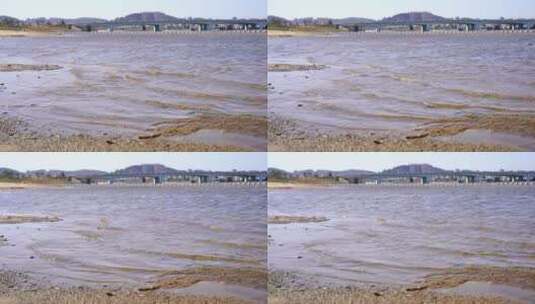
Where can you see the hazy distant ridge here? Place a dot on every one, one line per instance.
(414, 17)
(414, 169)
(146, 169)
(146, 17)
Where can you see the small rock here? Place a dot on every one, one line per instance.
(417, 136)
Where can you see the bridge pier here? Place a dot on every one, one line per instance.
(425, 27)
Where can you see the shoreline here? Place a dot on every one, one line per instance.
(26, 32)
(17, 287)
(304, 32)
(173, 136)
(291, 136)
(297, 185)
(28, 185)
(444, 287)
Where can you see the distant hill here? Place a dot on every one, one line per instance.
(146, 17)
(6, 172)
(414, 169)
(414, 17)
(146, 169)
(6, 20)
(275, 20)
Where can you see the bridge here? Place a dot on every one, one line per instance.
(194, 177)
(467, 177)
(180, 24)
(460, 24)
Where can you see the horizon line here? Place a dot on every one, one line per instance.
(128, 14)
(407, 12)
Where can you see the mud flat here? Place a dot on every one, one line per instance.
(28, 67)
(21, 219)
(282, 67)
(511, 285)
(282, 219)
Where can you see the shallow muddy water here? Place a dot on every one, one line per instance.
(400, 82)
(128, 236)
(397, 235)
(125, 83)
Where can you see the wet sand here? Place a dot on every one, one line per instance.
(21, 219)
(435, 288)
(28, 67)
(282, 219)
(294, 67)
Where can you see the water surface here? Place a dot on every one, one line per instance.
(124, 83)
(397, 235)
(399, 82)
(127, 236)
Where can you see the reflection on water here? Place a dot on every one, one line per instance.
(397, 235)
(400, 81)
(127, 236)
(126, 82)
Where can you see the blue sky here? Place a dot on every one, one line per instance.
(109, 9)
(381, 161)
(114, 161)
(377, 9)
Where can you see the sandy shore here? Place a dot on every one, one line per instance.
(12, 186)
(28, 33)
(435, 288)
